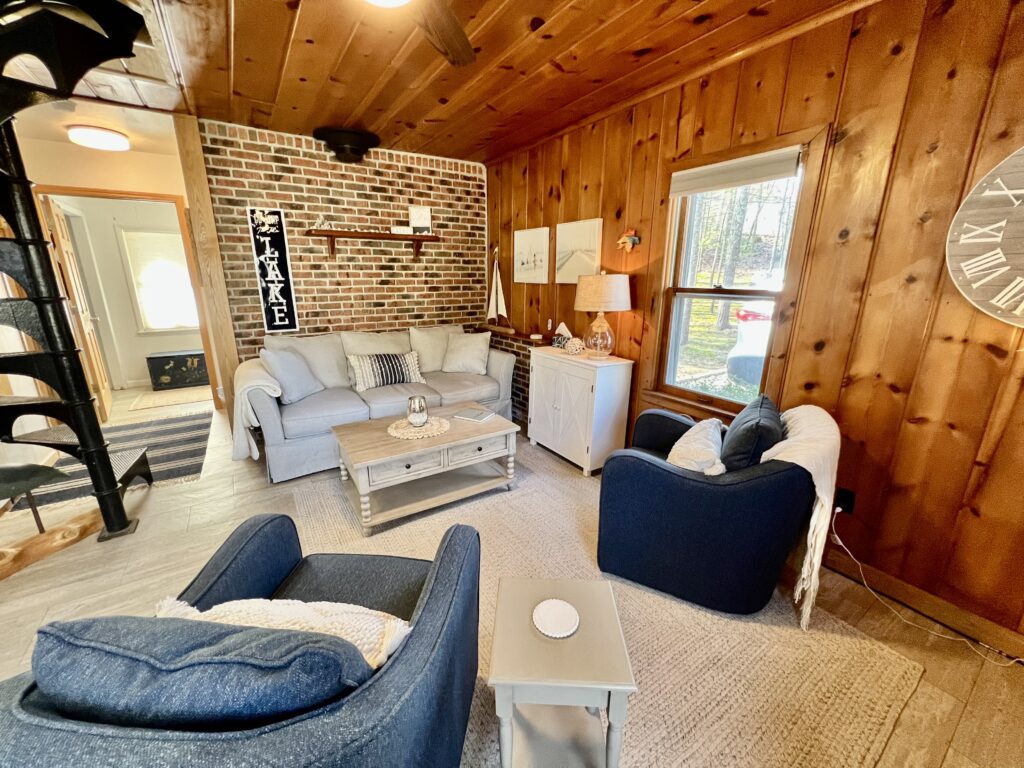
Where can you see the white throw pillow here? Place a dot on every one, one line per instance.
(431, 345)
(292, 372)
(372, 343)
(376, 634)
(700, 448)
(467, 353)
(324, 354)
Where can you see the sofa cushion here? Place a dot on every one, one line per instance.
(431, 344)
(372, 371)
(292, 372)
(318, 413)
(179, 673)
(324, 354)
(393, 400)
(370, 343)
(754, 430)
(460, 387)
(467, 353)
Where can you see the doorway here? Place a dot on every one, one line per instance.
(127, 259)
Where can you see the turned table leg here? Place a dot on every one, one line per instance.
(510, 471)
(344, 471)
(616, 720)
(364, 513)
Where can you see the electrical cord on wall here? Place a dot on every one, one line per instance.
(860, 567)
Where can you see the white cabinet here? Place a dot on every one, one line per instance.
(578, 406)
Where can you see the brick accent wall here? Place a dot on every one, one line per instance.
(368, 284)
(520, 376)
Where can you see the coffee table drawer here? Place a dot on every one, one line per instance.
(487, 446)
(381, 473)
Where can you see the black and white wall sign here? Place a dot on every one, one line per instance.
(270, 250)
(985, 247)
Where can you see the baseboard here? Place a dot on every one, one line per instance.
(966, 623)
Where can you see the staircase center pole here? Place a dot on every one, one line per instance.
(74, 389)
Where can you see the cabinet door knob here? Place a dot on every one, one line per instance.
(479, 447)
(408, 466)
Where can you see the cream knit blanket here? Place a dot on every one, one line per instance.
(376, 634)
(812, 442)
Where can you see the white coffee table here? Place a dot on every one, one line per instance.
(589, 670)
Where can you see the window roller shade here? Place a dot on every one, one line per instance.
(767, 166)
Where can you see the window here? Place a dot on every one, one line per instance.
(159, 277)
(733, 226)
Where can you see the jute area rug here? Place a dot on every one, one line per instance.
(714, 690)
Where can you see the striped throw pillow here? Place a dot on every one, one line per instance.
(373, 371)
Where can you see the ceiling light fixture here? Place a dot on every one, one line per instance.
(98, 138)
(388, 3)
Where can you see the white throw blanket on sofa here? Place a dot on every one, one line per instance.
(812, 442)
(249, 375)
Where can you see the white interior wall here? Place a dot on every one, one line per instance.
(108, 282)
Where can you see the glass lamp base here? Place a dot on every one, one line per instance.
(598, 338)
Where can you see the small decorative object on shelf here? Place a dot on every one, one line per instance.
(575, 346)
(536, 336)
(558, 341)
(601, 293)
(403, 430)
(417, 410)
(628, 241)
(556, 619)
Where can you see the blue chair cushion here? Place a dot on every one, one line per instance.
(754, 430)
(180, 673)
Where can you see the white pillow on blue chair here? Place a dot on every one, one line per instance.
(700, 448)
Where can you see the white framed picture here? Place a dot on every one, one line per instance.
(530, 249)
(577, 249)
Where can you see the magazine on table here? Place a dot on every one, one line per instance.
(474, 414)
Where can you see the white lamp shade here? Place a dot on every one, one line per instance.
(602, 293)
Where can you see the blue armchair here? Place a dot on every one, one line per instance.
(413, 711)
(718, 541)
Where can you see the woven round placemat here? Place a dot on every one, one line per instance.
(403, 430)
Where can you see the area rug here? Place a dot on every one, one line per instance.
(714, 690)
(176, 451)
(171, 397)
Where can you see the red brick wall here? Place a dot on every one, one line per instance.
(367, 285)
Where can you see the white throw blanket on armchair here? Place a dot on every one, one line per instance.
(249, 375)
(812, 442)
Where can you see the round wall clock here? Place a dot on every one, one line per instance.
(985, 246)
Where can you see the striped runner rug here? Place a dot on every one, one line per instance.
(176, 450)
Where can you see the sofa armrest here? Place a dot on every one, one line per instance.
(500, 367)
(657, 430)
(252, 563)
(268, 412)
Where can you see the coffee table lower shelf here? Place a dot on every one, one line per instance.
(428, 492)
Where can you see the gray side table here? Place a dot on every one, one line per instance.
(590, 669)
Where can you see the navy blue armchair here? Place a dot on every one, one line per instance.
(718, 541)
(413, 711)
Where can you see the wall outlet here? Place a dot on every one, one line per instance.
(844, 499)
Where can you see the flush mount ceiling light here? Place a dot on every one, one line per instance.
(98, 138)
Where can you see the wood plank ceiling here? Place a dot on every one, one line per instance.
(542, 65)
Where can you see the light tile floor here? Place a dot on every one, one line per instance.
(966, 713)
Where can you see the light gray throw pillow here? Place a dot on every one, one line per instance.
(373, 343)
(292, 372)
(467, 353)
(431, 344)
(324, 353)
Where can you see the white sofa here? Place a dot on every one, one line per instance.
(297, 437)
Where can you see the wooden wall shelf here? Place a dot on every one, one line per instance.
(355, 234)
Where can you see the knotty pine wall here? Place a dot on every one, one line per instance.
(923, 98)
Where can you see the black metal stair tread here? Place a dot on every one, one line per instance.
(122, 461)
(61, 434)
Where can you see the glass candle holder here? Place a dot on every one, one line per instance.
(416, 411)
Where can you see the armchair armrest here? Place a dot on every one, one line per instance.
(252, 563)
(500, 367)
(657, 430)
(268, 412)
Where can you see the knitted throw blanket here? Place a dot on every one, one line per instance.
(812, 442)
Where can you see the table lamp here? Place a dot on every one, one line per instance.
(601, 293)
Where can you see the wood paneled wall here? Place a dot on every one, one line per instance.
(923, 98)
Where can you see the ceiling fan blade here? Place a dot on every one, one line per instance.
(445, 33)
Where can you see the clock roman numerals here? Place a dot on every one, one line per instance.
(988, 266)
(1016, 195)
(993, 233)
(1012, 293)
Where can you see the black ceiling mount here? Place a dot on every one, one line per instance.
(69, 37)
(349, 145)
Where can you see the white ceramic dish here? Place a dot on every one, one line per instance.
(556, 619)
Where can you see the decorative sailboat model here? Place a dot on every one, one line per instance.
(496, 310)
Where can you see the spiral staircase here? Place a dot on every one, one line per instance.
(69, 37)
